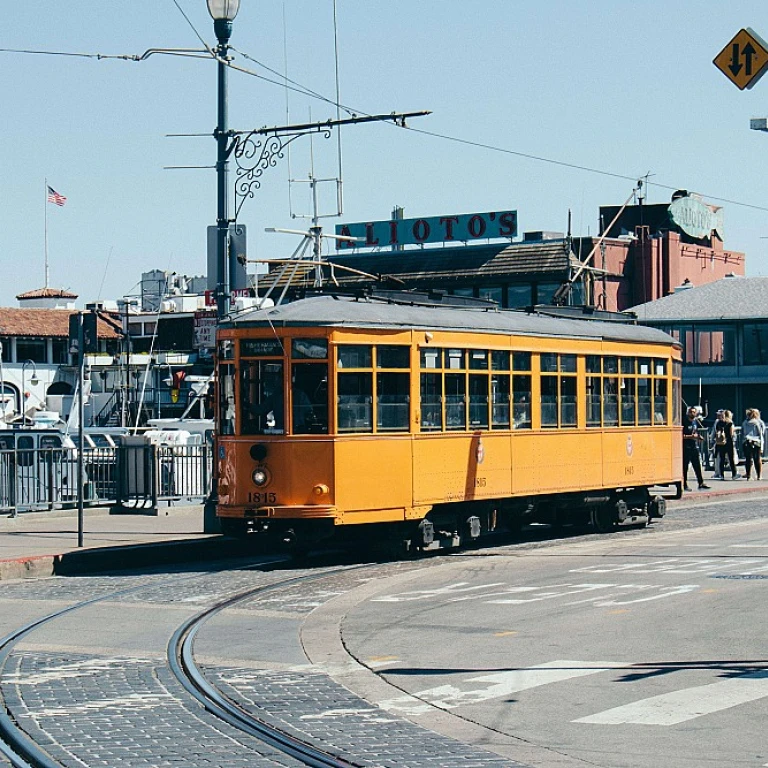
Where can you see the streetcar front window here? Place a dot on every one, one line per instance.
(262, 399)
(309, 396)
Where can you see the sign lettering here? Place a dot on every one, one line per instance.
(436, 229)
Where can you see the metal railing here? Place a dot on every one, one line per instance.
(131, 475)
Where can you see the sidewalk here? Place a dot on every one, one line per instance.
(726, 486)
(36, 544)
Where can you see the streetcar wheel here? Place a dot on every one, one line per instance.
(233, 527)
(603, 518)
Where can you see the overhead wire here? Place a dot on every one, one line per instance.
(299, 88)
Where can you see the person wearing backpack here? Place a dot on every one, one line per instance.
(753, 436)
(724, 446)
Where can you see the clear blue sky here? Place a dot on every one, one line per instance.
(624, 88)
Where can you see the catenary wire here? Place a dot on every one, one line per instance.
(298, 88)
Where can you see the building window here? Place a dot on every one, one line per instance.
(31, 349)
(519, 296)
(545, 292)
(756, 344)
(707, 344)
(492, 293)
(60, 352)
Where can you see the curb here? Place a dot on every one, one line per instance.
(110, 559)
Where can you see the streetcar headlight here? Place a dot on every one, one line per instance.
(260, 476)
(320, 489)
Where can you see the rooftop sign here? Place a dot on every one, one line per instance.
(462, 227)
(695, 218)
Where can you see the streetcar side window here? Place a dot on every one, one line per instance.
(610, 401)
(355, 398)
(392, 401)
(558, 390)
(644, 392)
(431, 402)
(500, 399)
(521, 392)
(393, 387)
(262, 410)
(354, 388)
(594, 400)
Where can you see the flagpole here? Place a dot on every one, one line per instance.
(45, 203)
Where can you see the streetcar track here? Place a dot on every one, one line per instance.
(22, 751)
(181, 660)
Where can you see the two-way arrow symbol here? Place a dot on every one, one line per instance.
(735, 65)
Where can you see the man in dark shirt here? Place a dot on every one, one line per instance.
(691, 438)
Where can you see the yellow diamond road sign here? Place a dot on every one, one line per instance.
(744, 60)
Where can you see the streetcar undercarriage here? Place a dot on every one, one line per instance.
(460, 523)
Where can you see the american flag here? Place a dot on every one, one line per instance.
(55, 197)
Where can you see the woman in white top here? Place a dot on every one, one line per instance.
(753, 437)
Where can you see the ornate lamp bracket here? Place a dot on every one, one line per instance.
(254, 153)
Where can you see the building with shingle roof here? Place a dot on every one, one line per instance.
(723, 327)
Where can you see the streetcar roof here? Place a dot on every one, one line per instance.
(349, 312)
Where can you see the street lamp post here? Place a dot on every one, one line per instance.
(3, 401)
(223, 13)
(33, 382)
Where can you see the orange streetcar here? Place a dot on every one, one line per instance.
(409, 417)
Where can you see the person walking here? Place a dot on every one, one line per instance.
(724, 445)
(691, 440)
(753, 437)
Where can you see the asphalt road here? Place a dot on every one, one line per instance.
(639, 650)
(635, 649)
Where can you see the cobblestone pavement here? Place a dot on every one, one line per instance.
(312, 707)
(128, 710)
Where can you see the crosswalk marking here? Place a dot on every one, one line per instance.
(686, 704)
(497, 685)
(674, 565)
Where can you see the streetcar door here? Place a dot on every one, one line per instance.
(262, 397)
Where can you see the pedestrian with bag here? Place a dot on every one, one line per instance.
(753, 437)
(724, 445)
(691, 440)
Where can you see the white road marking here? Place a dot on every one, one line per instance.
(132, 702)
(599, 595)
(86, 668)
(449, 590)
(665, 592)
(499, 684)
(373, 715)
(672, 565)
(687, 704)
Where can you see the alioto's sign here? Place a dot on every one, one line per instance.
(462, 227)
